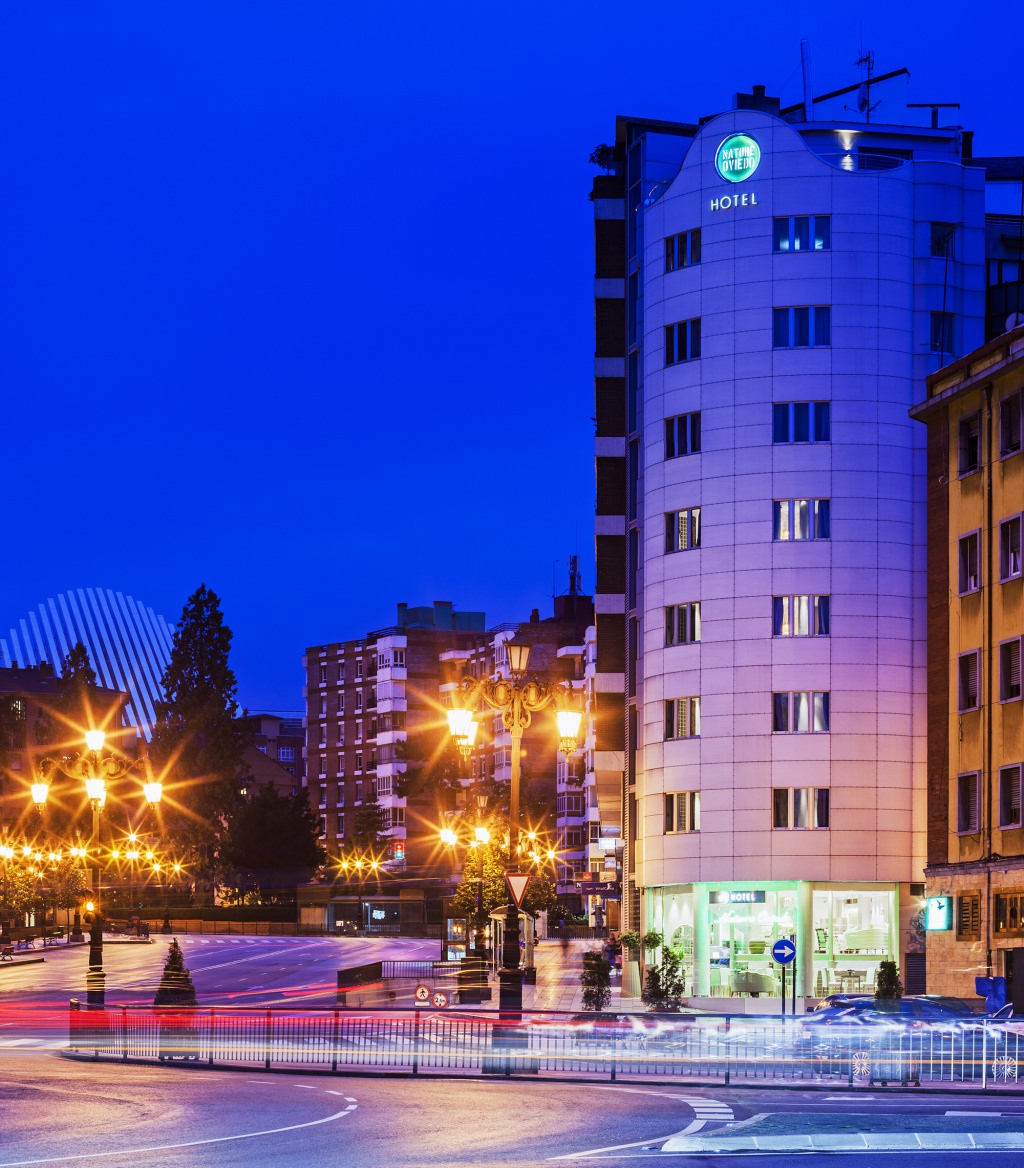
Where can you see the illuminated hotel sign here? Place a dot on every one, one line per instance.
(736, 897)
(736, 159)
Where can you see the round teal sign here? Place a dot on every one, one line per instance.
(737, 158)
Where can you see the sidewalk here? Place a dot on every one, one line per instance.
(558, 980)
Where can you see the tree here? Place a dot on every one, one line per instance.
(175, 988)
(369, 826)
(664, 985)
(270, 842)
(596, 980)
(198, 741)
(540, 892)
(888, 987)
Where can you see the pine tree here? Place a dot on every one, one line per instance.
(271, 842)
(596, 980)
(199, 740)
(175, 988)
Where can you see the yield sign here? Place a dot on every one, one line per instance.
(517, 882)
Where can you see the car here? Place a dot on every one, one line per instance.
(1006, 1021)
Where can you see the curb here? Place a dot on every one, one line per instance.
(22, 961)
(850, 1142)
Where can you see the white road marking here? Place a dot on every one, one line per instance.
(305, 1087)
(174, 1147)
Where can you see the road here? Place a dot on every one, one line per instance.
(57, 1111)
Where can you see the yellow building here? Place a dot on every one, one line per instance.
(975, 711)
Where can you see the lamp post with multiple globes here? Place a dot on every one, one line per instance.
(517, 698)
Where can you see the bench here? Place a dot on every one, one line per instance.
(25, 943)
(7, 953)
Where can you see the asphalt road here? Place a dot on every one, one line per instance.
(58, 1111)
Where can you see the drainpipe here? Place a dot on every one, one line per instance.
(988, 705)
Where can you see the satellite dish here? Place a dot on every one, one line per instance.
(1014, 320)
(863, 97)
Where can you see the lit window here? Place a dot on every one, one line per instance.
(682, 718)
(800, 808)
(803, 327)
(801, 712)
(801, 616)
(794, 519)
(682, 530)
(682, 811)
(682, 623)
(802, 233)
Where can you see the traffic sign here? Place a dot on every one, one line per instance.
(517, 882)
(783, 951)
(421, 993)
(439, 1000)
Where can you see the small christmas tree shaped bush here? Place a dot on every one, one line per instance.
(175, 988)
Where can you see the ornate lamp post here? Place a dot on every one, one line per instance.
(517, 698)
(94, 771)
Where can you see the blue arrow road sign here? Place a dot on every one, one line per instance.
(783, 951)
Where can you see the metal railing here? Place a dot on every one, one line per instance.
(693, 1048)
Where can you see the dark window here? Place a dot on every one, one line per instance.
(942, 239)
(682, 811)
(970, 444)
(1010, 548)
(682, 435)
(682, 250)
(1010, 425)
(1010, 796)
(967, 804)
(968, 916)
(802, 327)
(682, 341)
(682, 718)
(1009, 913)
(969, 560)
(1009, 670)
(940, 338)
(801, 422)
(968, 673)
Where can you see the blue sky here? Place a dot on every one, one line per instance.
(295, 296)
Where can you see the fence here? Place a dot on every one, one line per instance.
(692, 1048)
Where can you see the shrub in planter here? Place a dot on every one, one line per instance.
(665, 984)
(596, 980)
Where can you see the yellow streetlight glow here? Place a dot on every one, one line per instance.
(94, 739)
(40, 791)
(483, 836)
(459, 722)
(153, 791)
(449, 837)
(96, 789)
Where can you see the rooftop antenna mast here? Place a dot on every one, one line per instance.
(866, 61)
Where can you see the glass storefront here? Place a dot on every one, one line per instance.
(723, 935)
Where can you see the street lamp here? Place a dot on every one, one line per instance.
(517, 698)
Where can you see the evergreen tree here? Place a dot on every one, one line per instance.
(369, 827)
(198, 741)
(540, 892)
(665, 984)
(271, 842)
(596, 980)
(175, 988)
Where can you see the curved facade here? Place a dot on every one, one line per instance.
(791, 300)
(129, 644)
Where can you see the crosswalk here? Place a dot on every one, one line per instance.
(708, 1109)
(33, 1043)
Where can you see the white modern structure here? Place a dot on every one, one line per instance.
(787, 287)
(129, 645)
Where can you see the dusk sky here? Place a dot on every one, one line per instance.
(297, 296)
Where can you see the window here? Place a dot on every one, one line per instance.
(801, 616)
(682, 435)
(567, 805)
(800, 808)
(323, 765)
(1009, 670)
(682, 811)
(802, 233)
(1009, 796)
(682, 250)
(970, 445)
(970, 558)
(967, 822)
(968, 696)
(682, 341)
(682, 718)
(341, 734)
(359, 700)
(682, 530)
(802, 422)
(323, 705)
(682, 623)
(341, 705)
(940, 338)
(1009, 914)
(286, 754)
(1010, 424)
(801, 519)
(942, 239)
(968, 916)
(1009, 548)
(802, 712)
(323, 674)
(359, 761)
(323, 826)
(802, 328)
(399, 658)
(323, 794)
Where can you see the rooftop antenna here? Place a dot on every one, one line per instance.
(574, 576)
(866, 61)
(805, 67)
(934, 106)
